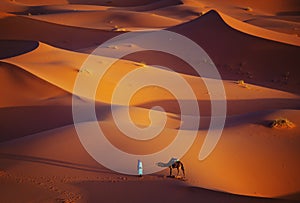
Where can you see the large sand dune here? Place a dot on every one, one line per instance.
(43, 46)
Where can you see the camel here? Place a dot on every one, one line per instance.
(173, 163)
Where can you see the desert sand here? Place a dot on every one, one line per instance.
(43, 46)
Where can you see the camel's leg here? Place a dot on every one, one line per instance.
(170, 171)
(182, 169)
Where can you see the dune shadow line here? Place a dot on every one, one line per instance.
(11, 48)
(54, 162)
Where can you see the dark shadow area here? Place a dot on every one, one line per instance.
(41, 10)
(153, 5)
(218, 196)
(234, 107)
(118, 3)
(293, 196)
(266, 123)
(11, 48)
(162, 190)
(54, 162)
(288, 13)
(17, 122)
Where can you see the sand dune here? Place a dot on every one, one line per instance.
(72, 39)
(254, 57)
(43, 46)
(20, 88)
(127, 20)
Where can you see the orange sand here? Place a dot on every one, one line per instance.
(42, 47)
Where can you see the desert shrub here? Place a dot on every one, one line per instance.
(282, 123)
(116, 28)
(248, 9)
(242, 83)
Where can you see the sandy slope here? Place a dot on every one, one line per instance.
(116, 19)
(44, 44)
